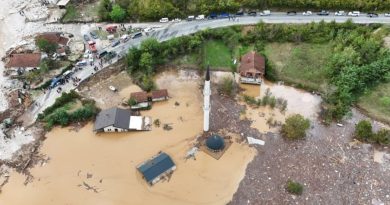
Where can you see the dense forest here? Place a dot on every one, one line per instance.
(155, 9)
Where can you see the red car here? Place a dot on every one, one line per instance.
(111, 29)
(92, 46)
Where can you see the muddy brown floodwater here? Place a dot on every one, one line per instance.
(107, 162)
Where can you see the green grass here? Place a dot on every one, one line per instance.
(303, 65)
(71, 14)
(217, 55)
(81, 12)
(189, 59)
(377, 102)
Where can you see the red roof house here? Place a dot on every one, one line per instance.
(24, 60)
(252, 68)
(54, 37)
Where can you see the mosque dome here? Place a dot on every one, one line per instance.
(215, 143)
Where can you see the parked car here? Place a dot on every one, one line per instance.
(371, 15)
(81, 63)
(111, 29)
(291, 13)
(115, 43)
(102, 53)
(212, 16)
(252, 13)
(176, 20)
(265, 13)
(323, 13)
(86, 54)
(354, 13)
(90, 58)
(86, 38)
(190, 18)
(94, 34)
(125, 38)
(240, 13)
(307, 13)
(387, 14)
(200, 17)
(164, 20)
(137, 35)
(339, 13)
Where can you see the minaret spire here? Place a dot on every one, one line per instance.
(206, 102)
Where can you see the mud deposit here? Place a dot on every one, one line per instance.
(88, 168)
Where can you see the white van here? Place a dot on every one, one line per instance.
(200, 17)
(164, 20)
(354, 13)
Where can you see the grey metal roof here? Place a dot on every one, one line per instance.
(156, 166)
(117, 117)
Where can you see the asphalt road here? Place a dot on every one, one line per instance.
(166, 31)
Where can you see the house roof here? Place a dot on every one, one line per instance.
(61, 50)
(63, 2)
(24, 60)
(53, 37)
(159, 93)
(156, 166)
(117, 117)
(252, 62)
(139, 96)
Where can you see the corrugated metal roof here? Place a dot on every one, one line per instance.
(156, 166)
(117, 117)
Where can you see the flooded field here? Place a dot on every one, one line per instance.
(107, 163)
(298, 101)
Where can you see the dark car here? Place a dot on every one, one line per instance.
(323, 13)
(86, 37)
(115, 43)
(240, 13)
(137, 35)
(371, 15)
(252, 13)
(291, 13)
(102, 53)
(93, 34)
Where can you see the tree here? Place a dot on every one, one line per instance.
(117, 14)
(105, 7)
(363, 130)
(382, 137)
(295, 127)
(146, 63)
(46, 46)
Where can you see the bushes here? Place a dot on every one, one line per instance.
(63, 118)
(295, 127)
(46, 46)
(363, 132)
(294, 187)
(61, 101)
(227, 86)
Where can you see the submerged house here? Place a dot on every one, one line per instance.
(144, 99)
(121, 120)
(156, 168)
(252, 68)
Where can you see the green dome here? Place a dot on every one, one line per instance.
(215, 143)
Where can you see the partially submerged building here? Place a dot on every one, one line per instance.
(144, 99)
(156, 168)
(252, 68)
(54, 37)
(121, 120)
(25, 61)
